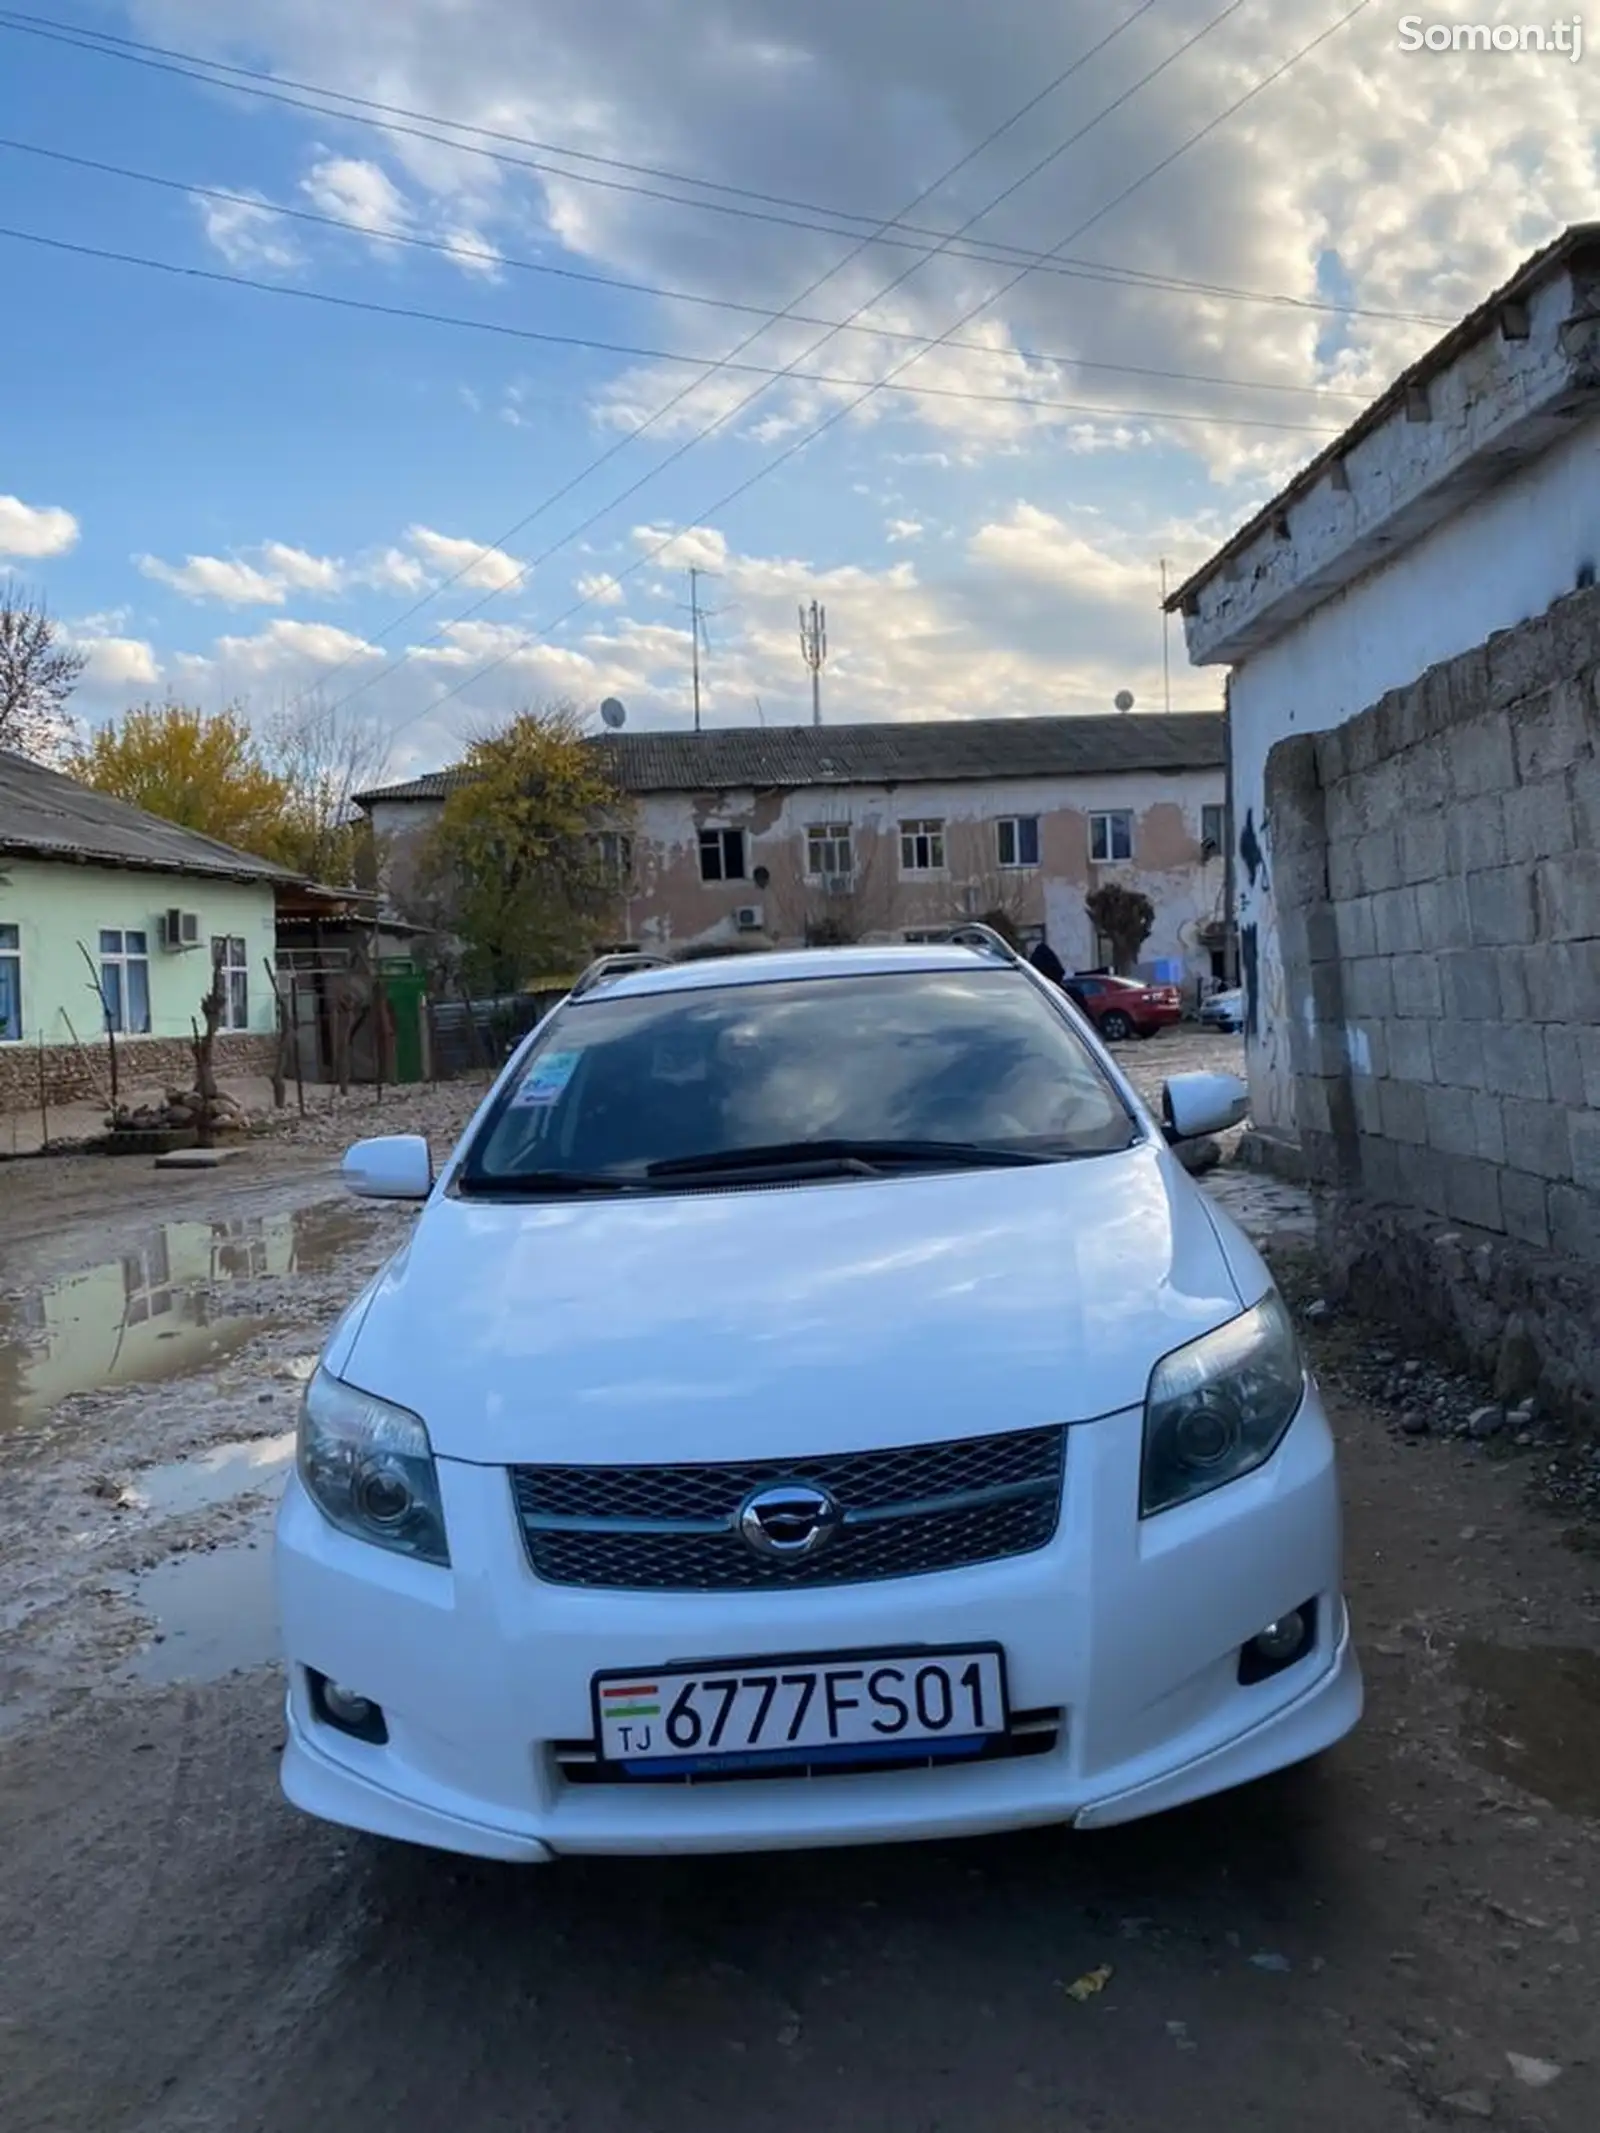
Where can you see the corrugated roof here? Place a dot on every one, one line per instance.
(1553, 259)
(894, 752)
(48, 816)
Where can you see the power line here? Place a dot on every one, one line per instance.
(456, 251)
(707, 373)
(801, 444)
(768, 371)
(791, 368)
(256, 82)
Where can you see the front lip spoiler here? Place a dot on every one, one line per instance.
(1323, 1713)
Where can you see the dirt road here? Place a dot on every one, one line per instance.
(1403, 1936)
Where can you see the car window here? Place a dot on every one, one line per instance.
(617, 1084)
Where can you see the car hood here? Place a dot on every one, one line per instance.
(778, 1322)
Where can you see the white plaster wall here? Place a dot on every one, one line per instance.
(670, 906)
(1501, 560)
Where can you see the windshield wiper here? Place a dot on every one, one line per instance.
(529, 1184)
(842, 1157)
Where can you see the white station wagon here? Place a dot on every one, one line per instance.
(814, 1406)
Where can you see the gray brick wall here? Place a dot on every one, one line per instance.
(1439, 897)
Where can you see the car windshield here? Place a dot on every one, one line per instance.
(894, 1070)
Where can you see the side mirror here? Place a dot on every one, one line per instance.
(396, 1167)
(1193, 1105)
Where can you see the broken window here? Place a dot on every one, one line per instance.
(722, 855)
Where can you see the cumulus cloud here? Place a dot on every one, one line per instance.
(599, 589)
(305, 573)
(35, 530)
(249, 234)
(485, 569)
(115, 664)
(903, 529)
(215, 577)
(353, 190)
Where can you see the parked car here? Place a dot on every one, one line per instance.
(645, 1504)
(1121, 1008)
(1224, 1010)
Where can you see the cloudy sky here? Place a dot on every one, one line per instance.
(411, 351)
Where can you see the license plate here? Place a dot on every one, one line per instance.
(858, 1706)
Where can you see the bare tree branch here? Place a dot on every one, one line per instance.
(38, 673)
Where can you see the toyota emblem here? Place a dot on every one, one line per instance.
(788, 1521)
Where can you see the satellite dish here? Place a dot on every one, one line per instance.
(615, 716)
(1124, 699)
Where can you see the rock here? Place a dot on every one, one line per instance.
(1486, 1421)
(1414, 1423)
(1319, 1310)
(1534, 2073)
(1524, 1413)
(1468, 2103)
(1411, 1368)
(1517, 1367)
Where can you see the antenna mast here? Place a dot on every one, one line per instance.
(814, 651)
(698, 617)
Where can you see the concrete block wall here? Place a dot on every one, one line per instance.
(1439, 878)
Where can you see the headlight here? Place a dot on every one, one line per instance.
(1220, 1407)
(369, 1469)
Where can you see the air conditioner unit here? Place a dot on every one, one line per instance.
(837, 884)
(180, 929)
(748, 918)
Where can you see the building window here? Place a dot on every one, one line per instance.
(125, 982)
(1111, 836)
(232, 966)
(922, 847)
(10, 984)
(1017, 837)
(828, 855)
(613, 852)
(1213, 827)
(722, 855)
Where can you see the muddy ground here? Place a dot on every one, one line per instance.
(1400, 1936)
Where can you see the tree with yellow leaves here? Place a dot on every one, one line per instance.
(522, 866)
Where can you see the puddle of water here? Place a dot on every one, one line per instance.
(217, 1476)
(1534, 1718)
(213, 1611)
(147, 1316)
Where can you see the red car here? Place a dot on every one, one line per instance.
(1121, 1007)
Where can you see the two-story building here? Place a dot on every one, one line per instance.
(780, 835)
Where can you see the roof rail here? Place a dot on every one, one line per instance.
(985, 939)
(606, 967)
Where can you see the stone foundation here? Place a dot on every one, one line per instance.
(1517, 1316)
(72, 1075)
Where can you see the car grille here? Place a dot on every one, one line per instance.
(904, 1512)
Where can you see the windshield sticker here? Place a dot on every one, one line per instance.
(548, 1077)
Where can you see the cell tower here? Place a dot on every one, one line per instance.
(814, 651)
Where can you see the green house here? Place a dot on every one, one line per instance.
(113, 920)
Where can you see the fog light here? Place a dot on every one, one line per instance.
(347, 1711)
(1279, 1645)
(1282, 1641)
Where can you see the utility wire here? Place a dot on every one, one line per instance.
(800, 444)
(771, 373)
(731, 414)
(379, 234)
(252, 81)
(710, 371)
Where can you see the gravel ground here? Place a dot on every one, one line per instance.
(1402, 1937)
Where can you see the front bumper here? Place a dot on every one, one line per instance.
(1130, 1631)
